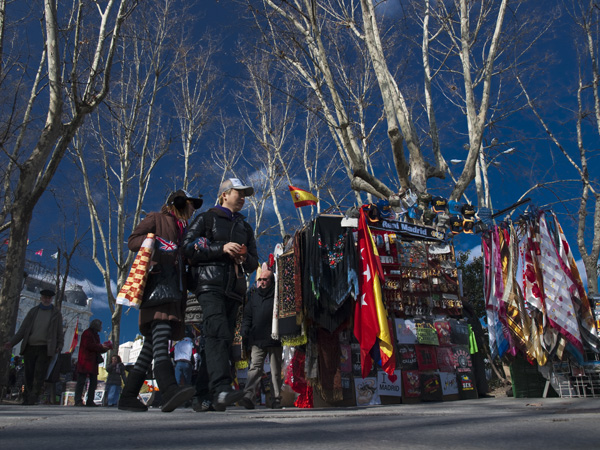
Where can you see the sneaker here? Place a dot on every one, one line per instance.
(204, 406)
(247, 403)
(226, 398)
(176, 396)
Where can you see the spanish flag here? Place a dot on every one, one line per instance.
(302, 197)
(75, 337)
(371, 324)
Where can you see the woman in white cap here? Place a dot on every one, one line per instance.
(221, 247)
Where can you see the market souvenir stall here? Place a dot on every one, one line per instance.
(537, 307)
(372, 288)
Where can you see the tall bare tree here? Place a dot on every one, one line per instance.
(91, 32)
(131, 135)
(580, 147)
(461, 49)
(194, 93)
(268, 116)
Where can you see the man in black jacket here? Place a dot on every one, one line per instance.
(257, 327)
(221, 247)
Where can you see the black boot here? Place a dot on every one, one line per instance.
(129, 396)
(172, 395)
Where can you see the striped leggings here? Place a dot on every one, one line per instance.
(156, 346)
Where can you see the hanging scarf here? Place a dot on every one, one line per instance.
(587, 327)
(533, 288)
(275, 322)
(560, 311)
(295, 378)
(497, 327)
(518, 319)
(290, 332)
(329, 272)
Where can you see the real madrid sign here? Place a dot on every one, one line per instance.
(411, 230)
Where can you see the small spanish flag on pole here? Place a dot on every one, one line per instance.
(302, 197)
(75, 337)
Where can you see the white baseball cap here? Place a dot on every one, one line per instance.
(235, 183)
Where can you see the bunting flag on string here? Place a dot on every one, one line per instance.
(5, 242)
(40, 252)
(75, 337)
(302, 197)
(370, 317)
(54, 256)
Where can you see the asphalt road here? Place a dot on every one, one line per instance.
(491, 423)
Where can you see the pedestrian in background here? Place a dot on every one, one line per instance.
(183, 355)
(116, 376)
(257, 327)
(41, 337)
(90, 356)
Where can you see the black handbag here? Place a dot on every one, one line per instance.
(162, 287)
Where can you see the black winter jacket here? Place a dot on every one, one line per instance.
(212, 269)
(257, 323)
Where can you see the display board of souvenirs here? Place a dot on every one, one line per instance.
(320, 287)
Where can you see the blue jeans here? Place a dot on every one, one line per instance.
(113, 392)
(183, 369)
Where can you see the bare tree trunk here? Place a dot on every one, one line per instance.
(37, 169)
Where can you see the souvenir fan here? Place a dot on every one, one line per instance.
(428, 217)
(424, 200)
(454, 208)
(439, 204)
(456, 224)
(385, 210)
(468, 211)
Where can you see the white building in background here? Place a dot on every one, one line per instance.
(129, 351)
(76, 306)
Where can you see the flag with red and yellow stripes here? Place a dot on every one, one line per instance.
(302, 197)
(75, 337)
(370, 316)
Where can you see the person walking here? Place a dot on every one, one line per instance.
(183, 354)
(221, 248)
(90, 355)
(116, 376)
(167, 283)
(257, 327)
(41, 337)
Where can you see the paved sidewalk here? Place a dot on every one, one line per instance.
(502, 423)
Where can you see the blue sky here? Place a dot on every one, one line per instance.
(535, 160)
